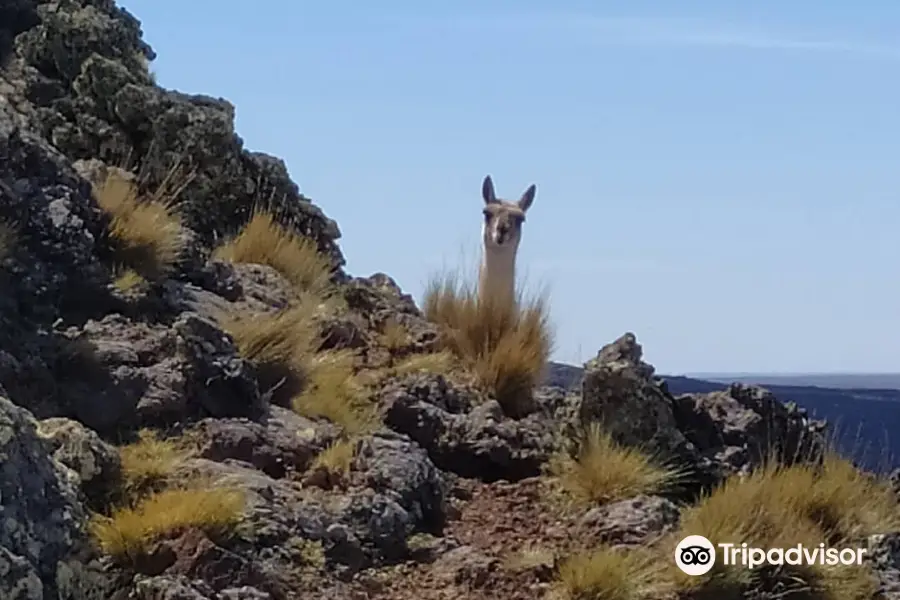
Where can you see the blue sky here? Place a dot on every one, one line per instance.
(722, 178)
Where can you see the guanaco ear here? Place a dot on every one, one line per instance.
(487, 191)
(527, 198)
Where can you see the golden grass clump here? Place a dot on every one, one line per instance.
(780, 506)
(147, 231)
(603, 471)
(285, 347)
(845, 503)
(264, 241)
(431, 362)
(149, 506)
(394, 336)
(336, 458)
(334, 391)
(611, 574)
(529, 557)
(278, 343)
(148, 463)
(310, 553)
(129, 531)
(505, 346)
(443, 363)
(129, 281)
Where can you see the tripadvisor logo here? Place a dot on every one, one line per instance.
(696, 555)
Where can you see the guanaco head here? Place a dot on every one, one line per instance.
(503, 219)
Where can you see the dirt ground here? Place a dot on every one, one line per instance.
(503, 541)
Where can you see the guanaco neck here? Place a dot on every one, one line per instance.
(497, 275)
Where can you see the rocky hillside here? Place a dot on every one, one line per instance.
(862, 419)
(198, 403)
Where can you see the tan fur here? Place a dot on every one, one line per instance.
(501, 235)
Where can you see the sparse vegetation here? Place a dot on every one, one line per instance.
(150, 506)
(603, 471)
(333, 391)
(505, 346)
(310, 553)
(781, 506)
(285, 346)
(129, 281)
(529, 558)
(610, 574)
(394, 336)
(148, 463)
(278, 343)
(443, 363)
(129, 531)
(846, 503)
(337, 458)
(264, 241)
(146, 232)
(432, 362)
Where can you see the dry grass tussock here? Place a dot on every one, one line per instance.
(278, 343)
(611, 574)
(334, 391)
(781, 506)
(529, 557)
(146, 231)
(286, 348)
(129, 281)
(336, 458)
(150, 507)
(129, 532)
(433, 362)
(506, 347)
(394, 336)
(264, 241)
(603, 471)
(148, 463)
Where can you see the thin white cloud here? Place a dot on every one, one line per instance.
(681, 32)
(664, 32)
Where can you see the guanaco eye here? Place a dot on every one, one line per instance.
(487, 216)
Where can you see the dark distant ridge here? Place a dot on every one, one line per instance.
(865, 419)
(856, 381)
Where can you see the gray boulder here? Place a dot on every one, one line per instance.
(44, 548)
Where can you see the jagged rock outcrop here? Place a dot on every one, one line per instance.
(394, 491)
(469, 435)
(281, 444)
(96, 463)
(79, 76)
(620, 392)
(124, 374)
(741, 427)
(711, 435)
(44, 548)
